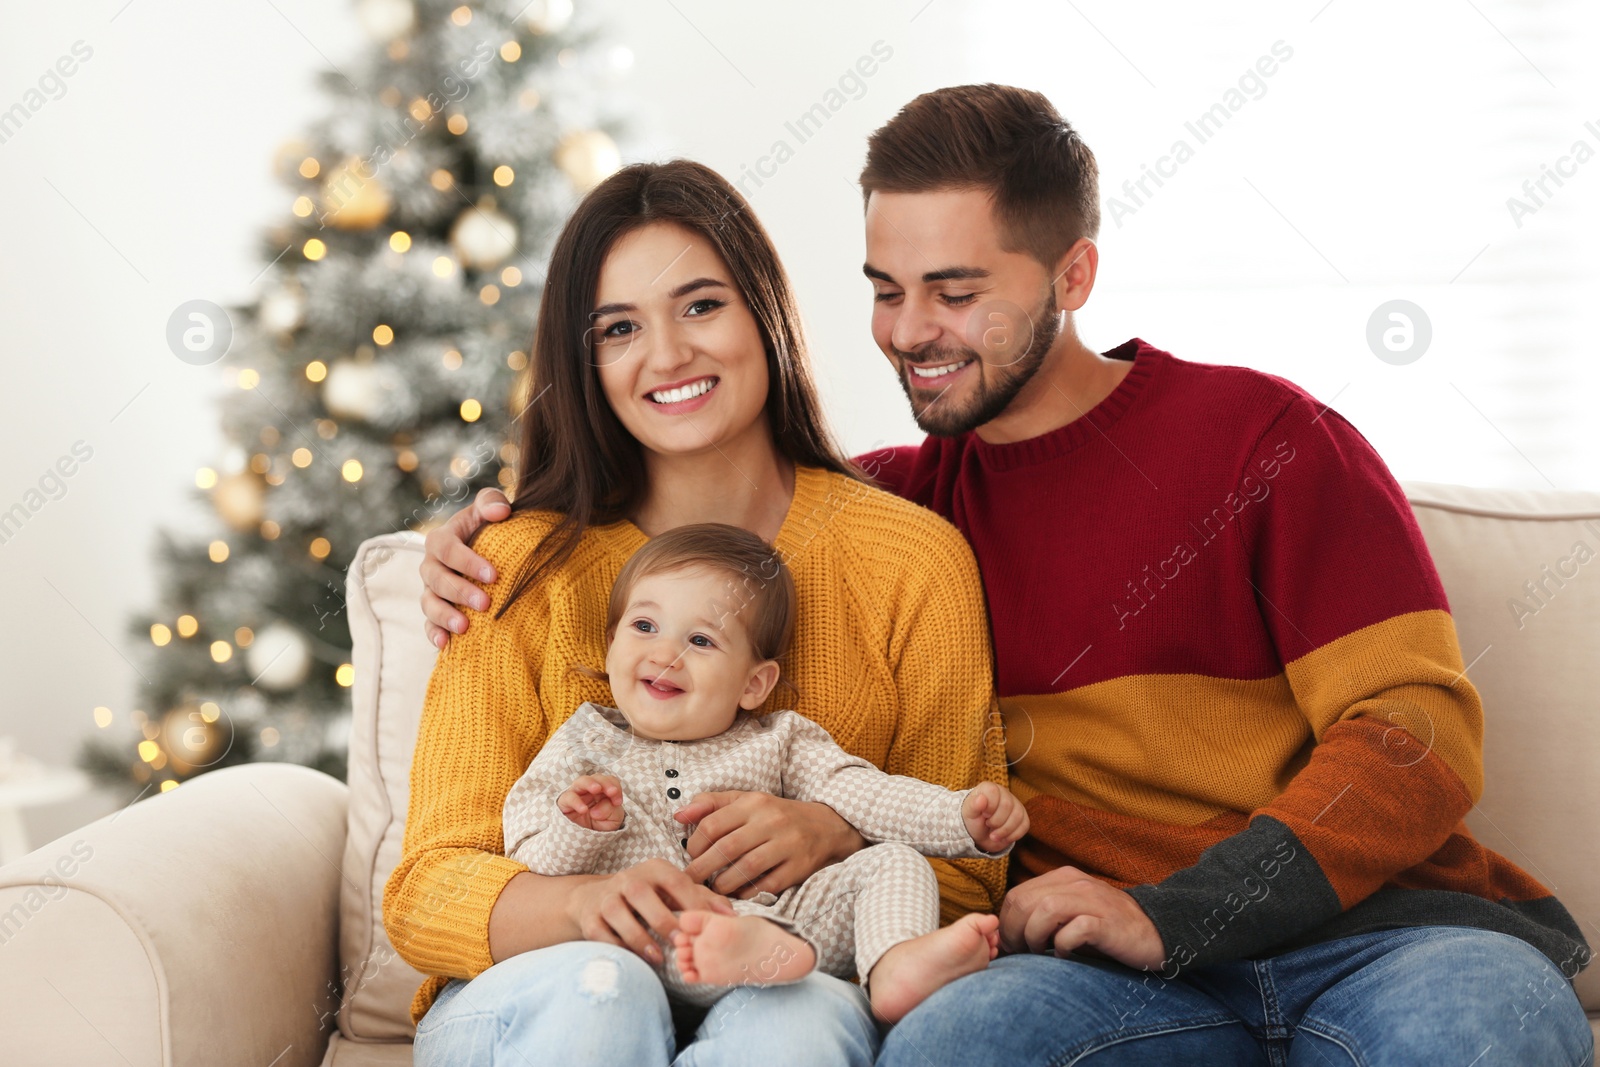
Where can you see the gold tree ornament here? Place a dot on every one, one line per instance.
(240, 499)
(194, 735)
(353, 198)
(587, 158)
(482, 237)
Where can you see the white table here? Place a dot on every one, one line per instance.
(52, 786)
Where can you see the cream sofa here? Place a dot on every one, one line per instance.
(236, 919)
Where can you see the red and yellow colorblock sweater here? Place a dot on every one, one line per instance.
(1229, 675)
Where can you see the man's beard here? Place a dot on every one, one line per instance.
(942, 417)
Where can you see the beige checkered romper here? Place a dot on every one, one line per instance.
(851, 912)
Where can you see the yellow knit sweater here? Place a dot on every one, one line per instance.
(891, 654)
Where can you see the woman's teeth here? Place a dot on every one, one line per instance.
(938, 372)
(683, 392)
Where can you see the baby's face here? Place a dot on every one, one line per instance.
(680, 663)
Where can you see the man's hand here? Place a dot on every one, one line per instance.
(449, 563)
(766, 843)
(594, 802)
(994, 816)
(1065, 909)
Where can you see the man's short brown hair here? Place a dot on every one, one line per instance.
(1012, 142)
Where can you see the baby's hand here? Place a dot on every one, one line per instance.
(594, 802)
(995, 818)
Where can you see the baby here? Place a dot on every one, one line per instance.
(687, 663)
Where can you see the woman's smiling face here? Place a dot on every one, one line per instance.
(680, 355)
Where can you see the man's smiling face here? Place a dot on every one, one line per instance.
(964, 322)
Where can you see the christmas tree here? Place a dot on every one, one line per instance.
(372, 384)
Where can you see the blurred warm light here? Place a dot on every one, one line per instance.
(205, 478)
(444, 266)
(242, 637)
(420, 110)
(457, 124)
(327, 429)
(471, 410)
(345, 675)
(441, 180)
(102, 717)
(511, 51)
(270, 436)
(320, 547)
(159, 634)
(382, 334)
(269, 737)
(566, 57)
(260, 463)
(489, 294)
(168, 785)
(451, 359)
(316, 370)
(148, 751)
(406, 460)
(511, 276)
(504, 175)
(309, 168)
(219, 551)
(517, 360)
(188, 625)
(400, 241)
(351, 470)
(210, 712)
(314, 249)
(270, 530)
(461, 15)
(221, 651)
(529, 99)
(301, 457)
(303, 206)
(248, 378)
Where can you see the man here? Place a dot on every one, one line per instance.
(1235, 703)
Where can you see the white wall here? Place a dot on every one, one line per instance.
(1389, 142)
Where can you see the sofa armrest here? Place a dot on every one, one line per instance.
(194, 928)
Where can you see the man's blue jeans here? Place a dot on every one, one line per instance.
(584, 1002)
(1430, 995)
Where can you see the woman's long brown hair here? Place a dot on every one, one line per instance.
(575, 455)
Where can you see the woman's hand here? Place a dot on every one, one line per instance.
(766, 843)
(449, 563)
(623, 908)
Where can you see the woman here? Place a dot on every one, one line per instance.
(669, 384)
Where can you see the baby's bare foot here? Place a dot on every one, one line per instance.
(739, 950)
(912, 971)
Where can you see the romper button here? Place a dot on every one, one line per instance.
(674, 793)
(672, 773)
(686, 842)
